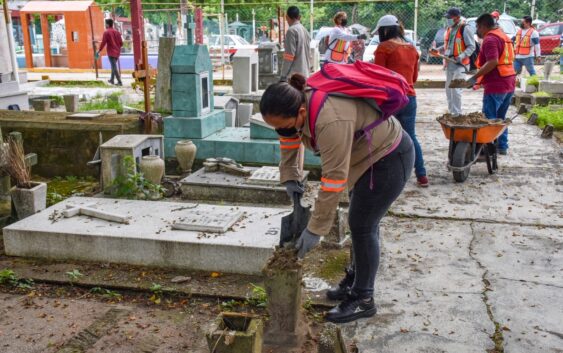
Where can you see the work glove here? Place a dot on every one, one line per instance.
(306, 242)
(293, 187)
(363, 36)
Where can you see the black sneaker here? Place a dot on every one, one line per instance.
(351, 308)
(503, 152)
(111, 82)
(339, 292)
(119, 84)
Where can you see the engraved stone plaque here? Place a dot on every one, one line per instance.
(212, 221)
(265, 176)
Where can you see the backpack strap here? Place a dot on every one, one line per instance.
(318, 99)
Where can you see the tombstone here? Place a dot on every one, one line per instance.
(71, 102)
(269, 65)
(193, 110)
(10, 93)
(114, 151)
(230, 106)
(245, 71)
(244, 112)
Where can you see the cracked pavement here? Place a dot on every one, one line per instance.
(474, 266)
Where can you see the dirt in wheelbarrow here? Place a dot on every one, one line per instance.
(475, 118)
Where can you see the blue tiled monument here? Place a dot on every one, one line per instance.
(194, 118)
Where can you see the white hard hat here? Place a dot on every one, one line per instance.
(387, 20)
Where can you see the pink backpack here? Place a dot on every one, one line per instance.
(383, 89)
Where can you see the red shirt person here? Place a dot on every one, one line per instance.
(112, 42)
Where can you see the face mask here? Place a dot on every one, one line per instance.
(450, 22)
(287, 132)
(344, 22)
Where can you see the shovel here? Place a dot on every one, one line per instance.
(294, 223)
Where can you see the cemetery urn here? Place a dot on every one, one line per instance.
(152, 168)
(185, 154)
(29, 201)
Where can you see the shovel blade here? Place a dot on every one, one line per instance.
(286, 235)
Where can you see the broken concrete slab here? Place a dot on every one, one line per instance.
(219, 186)
(148, 239)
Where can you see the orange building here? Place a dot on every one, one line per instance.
(84, 25)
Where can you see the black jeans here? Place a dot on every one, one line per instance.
(114, 70)
(368, 206)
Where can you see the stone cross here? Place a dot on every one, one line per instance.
(88, 210)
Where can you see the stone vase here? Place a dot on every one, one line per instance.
(29, 201)
(185, 154)
(152, 168)
(71, 102)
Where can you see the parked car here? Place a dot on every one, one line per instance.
(370, 49)
(231, 43)
(374, 42)
(505, 22)
(433, 39)
(550, 35)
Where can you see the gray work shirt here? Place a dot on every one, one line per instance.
(297, 46)
(467, 38)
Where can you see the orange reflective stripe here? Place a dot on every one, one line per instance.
(324, 188)
(331, 185)
(505, 62)
(290, 143)
(289, 57)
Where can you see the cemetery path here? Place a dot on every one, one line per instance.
(472, 267)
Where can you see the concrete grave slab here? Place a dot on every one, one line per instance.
(219, 186)
(149, 239)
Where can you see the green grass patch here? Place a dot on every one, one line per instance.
(86, 84)
(59, 188)
(109, 102)
(334, 265)
(547, 115)
(533, 80)
(540, 94)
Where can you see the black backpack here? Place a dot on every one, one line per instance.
(474, 55)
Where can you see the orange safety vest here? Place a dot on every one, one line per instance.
(505, 65)
(459, 43)
(338, 53)
(524, 44)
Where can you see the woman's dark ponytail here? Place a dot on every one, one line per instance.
(284, 98)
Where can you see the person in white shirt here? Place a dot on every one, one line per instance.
(526, 47)
(339, 39)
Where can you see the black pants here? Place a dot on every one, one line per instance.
(368, 206)
(114, 70)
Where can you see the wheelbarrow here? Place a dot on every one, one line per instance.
(470, 144)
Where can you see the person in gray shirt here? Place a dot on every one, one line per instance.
(459, 44)
(297, 46)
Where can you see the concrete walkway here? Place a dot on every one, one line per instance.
(475, 266)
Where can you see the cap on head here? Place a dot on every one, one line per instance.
(387, 21)
(453, 12)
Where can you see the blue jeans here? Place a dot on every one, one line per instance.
(407, 117)
(369, 205)
(527, 62)
(495, 106)
(114, 70)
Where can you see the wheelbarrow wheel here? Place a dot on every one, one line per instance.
(461, 158)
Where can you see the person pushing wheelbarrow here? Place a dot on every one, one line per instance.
(496, 73)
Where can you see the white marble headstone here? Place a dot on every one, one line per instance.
(265, 176)
(212, 221)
